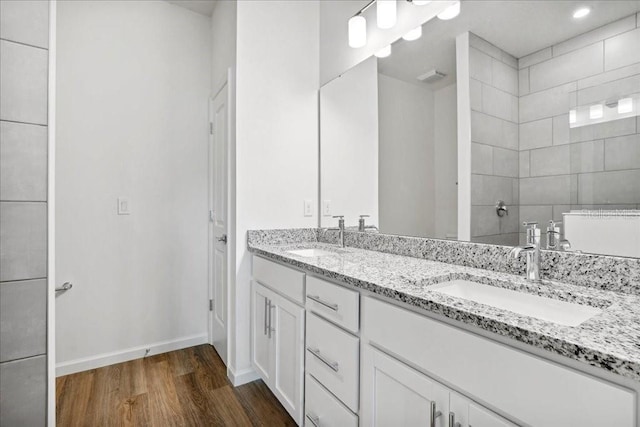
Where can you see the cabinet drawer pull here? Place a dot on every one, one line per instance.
(317, 299)
(452, 420)
(323, 359)
(269, 325)
(433, 414)
(314, 419)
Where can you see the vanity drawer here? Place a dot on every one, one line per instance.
(324, 409)
(334, 302)
(333, 359)
(531, 389)
(284, 280)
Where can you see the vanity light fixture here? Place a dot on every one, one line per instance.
(414, 34)
(357, 31)
(625, 105)
(581, 12)
(572, 116)
(596, 111)
(386, 13)
(450, 12)
(384, 52)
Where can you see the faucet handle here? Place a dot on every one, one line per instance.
(339, 216)
(365, 216)
(530, 224)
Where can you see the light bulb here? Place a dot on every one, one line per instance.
(421, 2)
(581, 13)
(357, 31)
(450, 12)
(386, 10)
(414, 34)
(384, 52)
(572, 116)
(596, 111)
(625, 105)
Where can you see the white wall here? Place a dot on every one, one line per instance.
(446, 162)
(335, 54)
(349, 150)
(277, 135)
(223, 41)
(407, 167)
(132, 90)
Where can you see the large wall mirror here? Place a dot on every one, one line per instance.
(511, 112)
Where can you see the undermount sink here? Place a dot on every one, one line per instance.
(552, 310)
(310, 253)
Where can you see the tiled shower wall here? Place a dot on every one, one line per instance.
(24, 35)
(494, 142)
(595, 166)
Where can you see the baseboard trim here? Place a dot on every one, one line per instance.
(106, 359)
(241, 377)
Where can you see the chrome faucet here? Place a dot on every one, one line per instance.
(362, 227)
(553, 237)
(340, 228)
(532, 250)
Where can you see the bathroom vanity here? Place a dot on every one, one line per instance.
(348, 336)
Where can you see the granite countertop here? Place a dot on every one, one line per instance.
(610, 340)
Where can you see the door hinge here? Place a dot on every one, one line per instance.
(210, 305)
(210, 128)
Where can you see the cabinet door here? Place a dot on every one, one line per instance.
(393, 394)
(261, 344)
(470, 414)
(288, 337)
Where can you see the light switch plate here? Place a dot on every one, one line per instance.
(124, 207)
(308, 208)
(326, 207)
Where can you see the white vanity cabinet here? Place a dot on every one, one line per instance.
(277, 334)
(524, 387)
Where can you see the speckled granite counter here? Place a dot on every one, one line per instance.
(610, 340)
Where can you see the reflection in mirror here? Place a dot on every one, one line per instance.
(539, 109)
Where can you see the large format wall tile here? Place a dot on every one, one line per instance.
(536, 134)
(23, 323)
(23, 162)
(622, 153)
(23, 401)
(23, 83)
(601, 33)
(499, 103)
(23, 240)
(504, 77)
(566, 68)
(481, 159)
(622, 50)
(609, 187)
(487, 190)
(609, 91)
(604, 130)
(25, 22)
(546, 190)
(550, 161)
(505, 162)
(547, 103)
(587, 157)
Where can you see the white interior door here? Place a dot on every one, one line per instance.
(218, 164)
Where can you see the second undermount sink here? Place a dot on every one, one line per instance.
(310, 253)
(552, 310)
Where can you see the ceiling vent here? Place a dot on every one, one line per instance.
(431, 76)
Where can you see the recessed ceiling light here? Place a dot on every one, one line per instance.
(450, 12)
(581, 12)
(384, 52)
(414, 34)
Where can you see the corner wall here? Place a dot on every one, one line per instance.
(277, 136)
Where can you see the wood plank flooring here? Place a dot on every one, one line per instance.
(182, 388)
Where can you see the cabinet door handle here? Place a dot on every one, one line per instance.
(269, 330)
(433, 414)
(314, 419)
(316, 352)
(265, 314)
(452, 420)
(317, 299)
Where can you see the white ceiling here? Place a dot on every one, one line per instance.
(518, 27)
(205, 7)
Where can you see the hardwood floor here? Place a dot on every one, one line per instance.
(182, 388)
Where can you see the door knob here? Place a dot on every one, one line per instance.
(223, 239)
